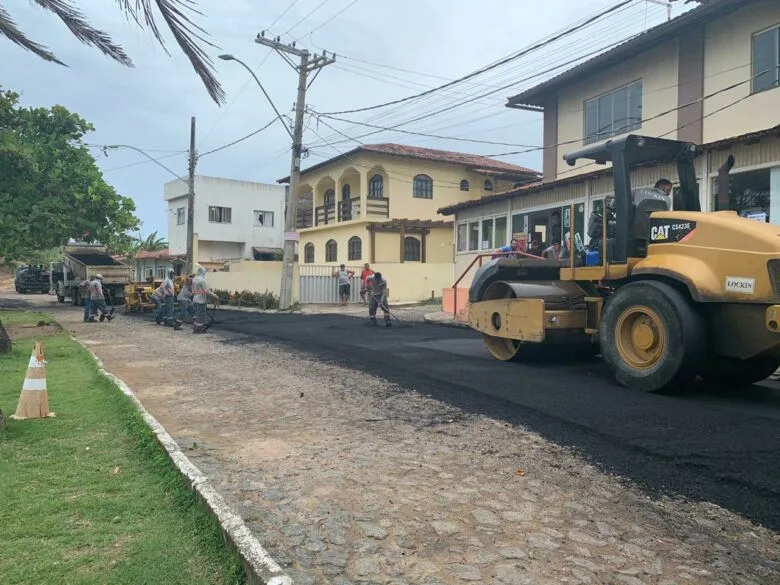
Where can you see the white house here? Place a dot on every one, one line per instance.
(233, 219)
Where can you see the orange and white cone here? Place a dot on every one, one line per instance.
(34, 400)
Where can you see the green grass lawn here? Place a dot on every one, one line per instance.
(89, 496)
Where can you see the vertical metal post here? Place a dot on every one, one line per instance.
(191, 200)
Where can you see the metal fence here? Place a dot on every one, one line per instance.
(318, 285)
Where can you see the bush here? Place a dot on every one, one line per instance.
(264, 300)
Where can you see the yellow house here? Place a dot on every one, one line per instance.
(378, 203)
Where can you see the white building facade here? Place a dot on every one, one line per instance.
(233, 219)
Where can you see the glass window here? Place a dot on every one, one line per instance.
(330, 198)
(473, 236)
(499, 233)
(354, 248)
(219, 214)
(488, 185)
(519, 223)
(411, 249)
(464, 185)
(463, 237)
(748, 194)
(308, 253)
(376, 187)
(264, 219)
(766, 60)
(487, 234)
(422, 187)
(614, 113)
(331, 251)
(180, 216)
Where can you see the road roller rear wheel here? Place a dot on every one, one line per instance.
(652, 337)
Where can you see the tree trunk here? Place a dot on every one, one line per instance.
(5, 341)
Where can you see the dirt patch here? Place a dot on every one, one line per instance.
(19, 332)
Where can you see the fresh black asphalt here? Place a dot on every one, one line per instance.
(722, 447)
(709, 445)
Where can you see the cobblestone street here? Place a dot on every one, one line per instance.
(348, 479)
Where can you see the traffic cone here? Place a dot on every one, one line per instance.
(34, 400)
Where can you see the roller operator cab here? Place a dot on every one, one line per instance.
(663, 295)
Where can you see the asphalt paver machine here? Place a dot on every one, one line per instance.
(674, 294)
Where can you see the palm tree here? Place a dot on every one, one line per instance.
(173, 12)
(152, 243)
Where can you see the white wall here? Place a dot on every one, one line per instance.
(243, 198)
(728, 61)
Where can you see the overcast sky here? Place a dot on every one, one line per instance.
(385, 51)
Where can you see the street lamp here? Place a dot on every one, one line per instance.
(228, 57)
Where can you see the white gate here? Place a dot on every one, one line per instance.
(318, 285)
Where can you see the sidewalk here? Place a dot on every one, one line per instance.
(446, 319)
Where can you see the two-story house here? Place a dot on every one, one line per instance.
(711, 76)
(378, 204)
(233, 220)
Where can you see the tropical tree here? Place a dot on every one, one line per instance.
(189, 36)
(152, 243)
(51, 188)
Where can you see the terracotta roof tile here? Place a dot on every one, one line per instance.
(156, 255)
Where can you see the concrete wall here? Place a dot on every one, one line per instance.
(728, 61)
(414, 281)
(656, 68)
(253, 276)
(244, 198)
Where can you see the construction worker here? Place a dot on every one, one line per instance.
(377, 288)
(185, 302)
(87, 296)
(98, 300)
(169, 298)
(363, 278)
(200, 294)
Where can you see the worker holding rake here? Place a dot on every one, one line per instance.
(376, 286)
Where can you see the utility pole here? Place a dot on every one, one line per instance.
(191, 200)
(307, 65)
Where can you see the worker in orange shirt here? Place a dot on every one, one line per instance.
(364, 281)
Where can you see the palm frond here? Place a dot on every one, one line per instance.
(83, 31)
(181, 27)
(9, 30)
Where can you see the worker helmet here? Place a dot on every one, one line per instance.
(99, 276)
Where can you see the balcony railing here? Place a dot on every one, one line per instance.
(344, 210)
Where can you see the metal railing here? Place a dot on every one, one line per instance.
(479, 259)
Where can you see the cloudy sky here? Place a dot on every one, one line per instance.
(385, 51)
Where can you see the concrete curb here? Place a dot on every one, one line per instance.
(260, 568)
(430, 320)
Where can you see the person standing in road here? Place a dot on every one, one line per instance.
(185, 302)
(87, 296)
(377, 288)
(98, 299)
(200, 295)
(169, 298)
(363, 278)
(345, 283)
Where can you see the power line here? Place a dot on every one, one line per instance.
(331, 19)
(293, 27)
(229, 144)
(503, 61)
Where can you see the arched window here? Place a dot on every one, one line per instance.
(330, 198)
(423, 187)
(354, 248)
(308, 253)
(464, 185)
(411, 249)
(488, 185)
(345, 191)
(331, 251)
(376, 187)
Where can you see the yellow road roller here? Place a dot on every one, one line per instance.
(665, 293)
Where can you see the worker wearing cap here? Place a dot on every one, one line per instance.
(377, 288)
(185, 301)
(200, 294)
(98, 299)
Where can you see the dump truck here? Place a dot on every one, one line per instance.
(84, 261)
(32, 278)
(665, 296)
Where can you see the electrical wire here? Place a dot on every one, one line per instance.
(228, 145)
(487, 68)
(331, 19)
(293, 27)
